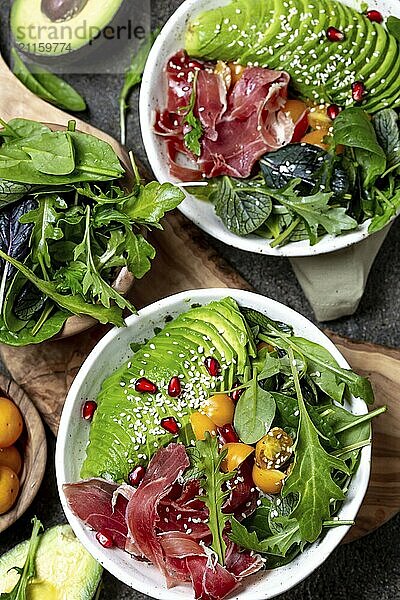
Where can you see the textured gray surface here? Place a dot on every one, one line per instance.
(365, 570)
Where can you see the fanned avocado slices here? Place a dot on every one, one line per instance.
(126, 428)
(292, 35)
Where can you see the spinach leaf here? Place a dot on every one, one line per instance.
(254, 413)
(14, 239)
(311, 476)
(193, 136)
(386, 124)
(353, 129)
(242, 207)
(257, 319)
(47, 86)
(206, 460)
(29, 334)
(12, 192)
(315, 211)
(51, 153)
(133, 77)
(74, 304)
(393, 26)
(152, 202)
(22, 128)
(28, 571)
(22, 302)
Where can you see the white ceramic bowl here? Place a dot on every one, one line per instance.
(106, 357)
(153, 95)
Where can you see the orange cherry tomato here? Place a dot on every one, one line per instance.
(201, 424)
(236, 72)
(274, 449)
(9, 488)
(11, 423)
(236, 455)
(219, 408)
(10, 457)
(298, 112)
(269, 481)
(316, 138)
(318, 119)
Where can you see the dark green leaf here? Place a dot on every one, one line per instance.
(51, 153)
(386, 124)
(254, 413)
(140, 253)
(152, 202)
(393, 26)
(295, 161)
(11, 192)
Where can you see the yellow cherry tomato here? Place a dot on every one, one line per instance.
(9, 488)
(219, 408)
(316, 138)
(269, 481)
(11, 423)
(236, 455)
(274, 449)
(295, 109)
(236, 72)
(318, 119)
(201, 424)
(10, 457)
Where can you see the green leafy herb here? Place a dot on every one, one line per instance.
(242, 207)
(206, 460)
(27, 573)
(254, 413)
(393, 26)
(193, 136)
(386, 125)
(133, 77)
(152, 202)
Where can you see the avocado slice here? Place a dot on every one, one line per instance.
(126, 428)
(64, 569)
(34, 29)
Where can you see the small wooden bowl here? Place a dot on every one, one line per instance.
(33, 448)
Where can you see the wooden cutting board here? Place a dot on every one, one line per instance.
(186, 261)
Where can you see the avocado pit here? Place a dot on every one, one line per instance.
(62, 10)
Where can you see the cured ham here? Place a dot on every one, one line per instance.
(240, 122)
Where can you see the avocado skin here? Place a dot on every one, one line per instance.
(126, 430)
(57, 575)
(307, 55)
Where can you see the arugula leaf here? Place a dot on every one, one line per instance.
(140, 253)
(206, 460)
(74, 304)
(278, 544)
(27, 573)
(393, 26)
(311, 476)
(254, 413)
(193, 136)
(243, 207)
(152, 202)
(315, 211)
(353, 129)
(389, 205)
(133, 77)
(386, 124)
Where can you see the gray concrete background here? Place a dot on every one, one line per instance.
(365, 570)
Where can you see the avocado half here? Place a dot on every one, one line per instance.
(36, 33)
(64, 569)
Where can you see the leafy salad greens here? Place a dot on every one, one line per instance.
(67, 226)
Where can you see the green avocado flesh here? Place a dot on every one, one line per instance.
(291, 35)
(126, 429)
(36, 33)
(64, 570)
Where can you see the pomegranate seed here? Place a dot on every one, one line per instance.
(236, 394)
(227, 434)
(174, 387)
(136, 476)
(358, 91)
(104, 539)
(212, 366)
(170, 425)
(88, 410)
(375, 16)
(333, 111)
(334, 35)
(145, 386)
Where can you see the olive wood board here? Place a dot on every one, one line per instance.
(186, 261)
(32, 447)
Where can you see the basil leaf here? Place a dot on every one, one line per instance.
(353, 129)
(254, 413)
(386, 124)
(242, 207)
